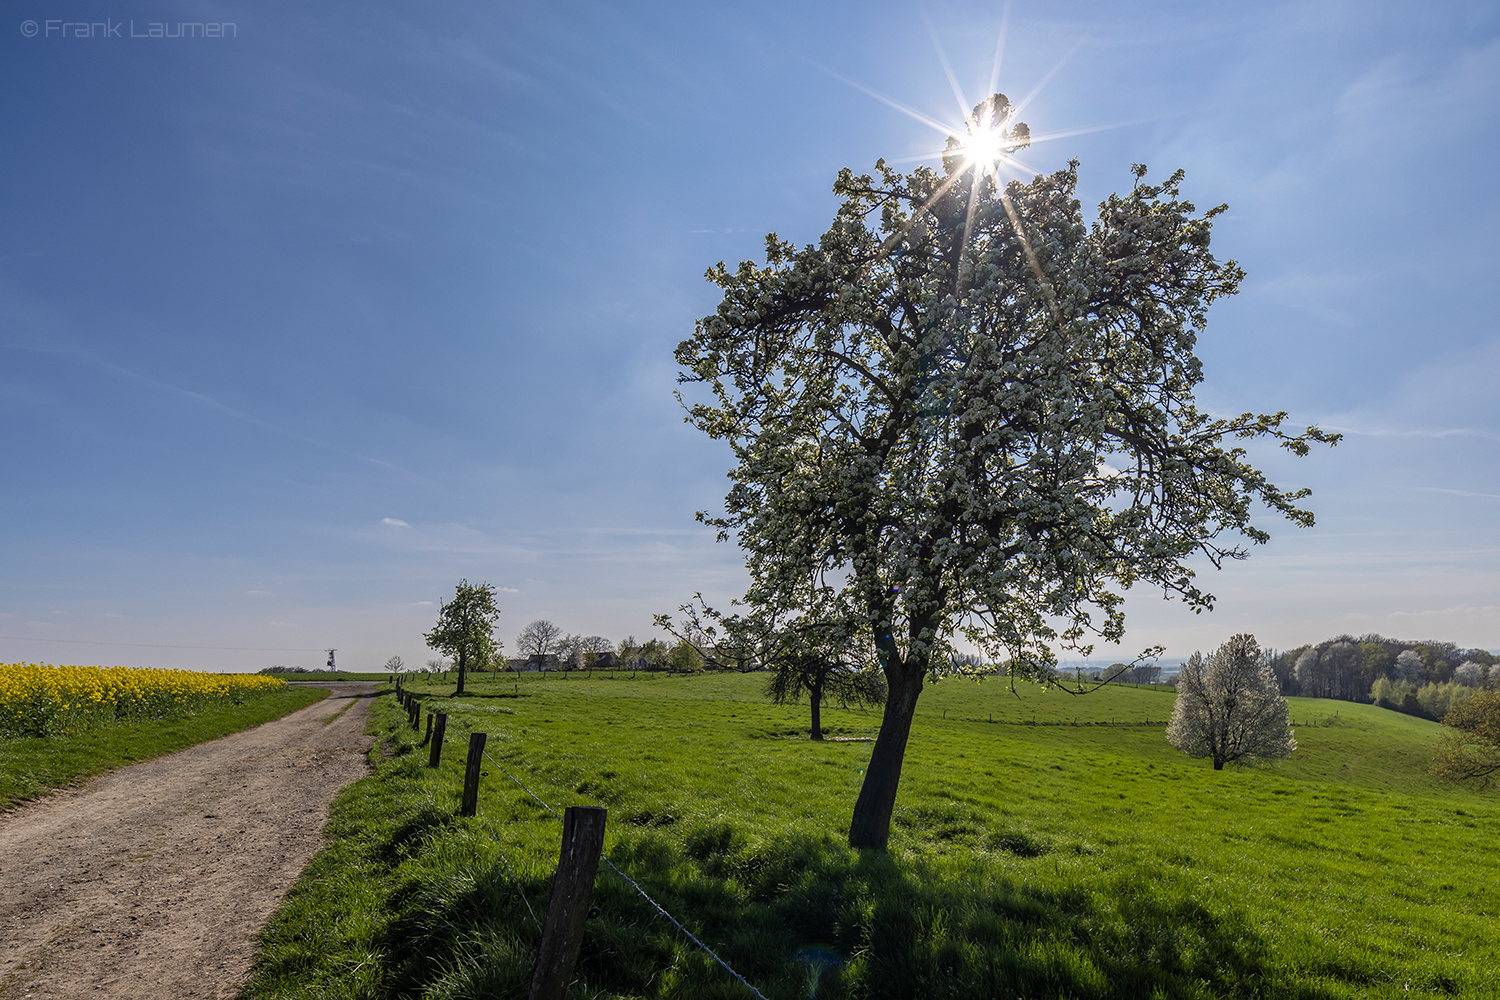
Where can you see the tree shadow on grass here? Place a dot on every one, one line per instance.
(802, 917)
(904, 929)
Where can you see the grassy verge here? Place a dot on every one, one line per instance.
(1063, 849)
(32, 767)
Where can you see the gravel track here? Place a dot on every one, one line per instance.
(152, 881)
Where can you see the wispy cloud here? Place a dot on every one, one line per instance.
(78, 354)
(394, 522)
(1456, 493)
(1413, 432)
(1457, 610)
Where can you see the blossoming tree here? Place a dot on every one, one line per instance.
(966, 412)
(1229, 707)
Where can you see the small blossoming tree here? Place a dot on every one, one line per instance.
(1229, 707)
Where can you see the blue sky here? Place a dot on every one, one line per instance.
(301, 325)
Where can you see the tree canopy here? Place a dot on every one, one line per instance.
(1229, 707)
(823, 673)
(823, 658)
(465, 628)
(538, 640)
(1470, 750)
(965, 411)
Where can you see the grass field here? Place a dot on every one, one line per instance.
(1063, 849)
(32, 766)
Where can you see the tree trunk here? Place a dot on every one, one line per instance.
(815, 696)
(871, 825)
(461, 665)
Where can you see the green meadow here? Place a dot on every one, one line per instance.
(1044, 845)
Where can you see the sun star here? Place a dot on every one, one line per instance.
(990, 136)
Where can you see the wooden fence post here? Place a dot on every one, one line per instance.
(435, 755)
(568, 909)
(414, 712)
(471, 774)
(428, 737)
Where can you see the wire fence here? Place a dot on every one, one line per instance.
(466, 727)
(444, 764)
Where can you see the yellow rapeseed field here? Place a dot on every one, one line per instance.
(38, 698)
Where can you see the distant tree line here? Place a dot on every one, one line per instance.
(544, 645)
(1425, 678)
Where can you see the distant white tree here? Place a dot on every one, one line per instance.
(1469, 673)
(628, 651)
(570, 652)
(1409, 667)
(1309, 677)
(1230, 708)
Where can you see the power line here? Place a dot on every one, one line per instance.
(165, 645)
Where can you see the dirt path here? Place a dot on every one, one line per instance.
(151, 881)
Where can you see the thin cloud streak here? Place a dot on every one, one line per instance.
(77, 354)
(1414, 432)
(1456, 493)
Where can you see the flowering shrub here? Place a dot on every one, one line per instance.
(40, 699)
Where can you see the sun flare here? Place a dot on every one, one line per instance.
(991, 134)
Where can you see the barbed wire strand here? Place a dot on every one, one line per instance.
(511, 871)
(531, 842)
(519, 784)
(632, 882)
(676, 923)
(495, 835)
(523, 788)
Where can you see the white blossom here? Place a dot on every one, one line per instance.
(1229, 707)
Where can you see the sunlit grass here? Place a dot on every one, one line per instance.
(1030, 856)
